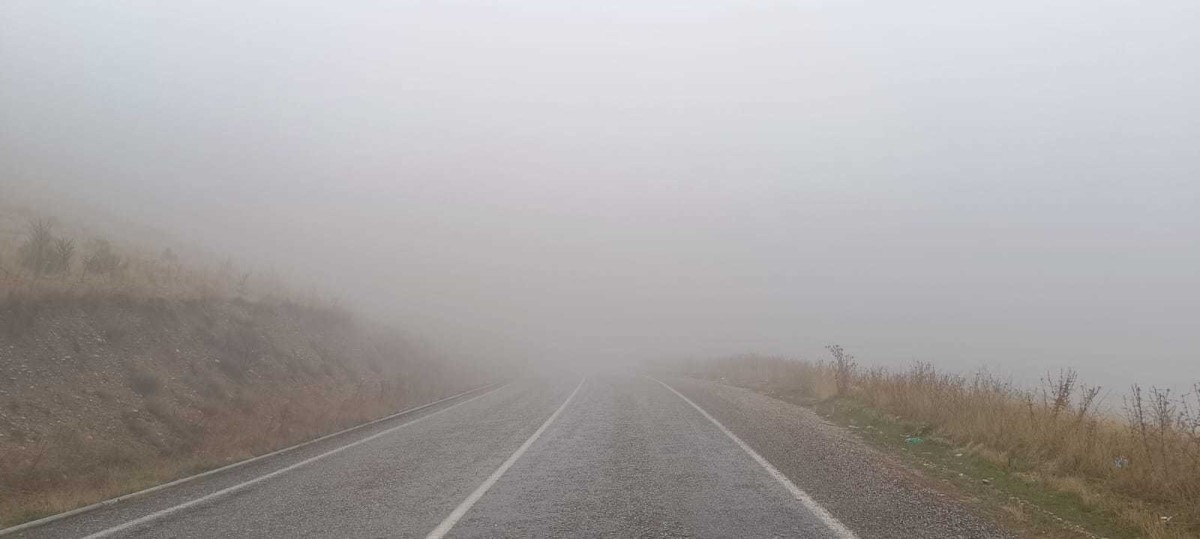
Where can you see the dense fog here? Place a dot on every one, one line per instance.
(1013, 185)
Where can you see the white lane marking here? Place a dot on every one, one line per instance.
(465, 506)
(160, 514)
(156, 488)
(815, 508)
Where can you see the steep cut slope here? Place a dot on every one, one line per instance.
(102, 394)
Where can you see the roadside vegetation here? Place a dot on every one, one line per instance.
(41, 257)
(1132, 470)
(122, 367)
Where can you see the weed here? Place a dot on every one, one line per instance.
(1148, 462)
(843, 368)
(102, 259)
(37, 252)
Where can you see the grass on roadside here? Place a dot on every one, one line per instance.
(1049, 456)
(38, 482)
(1021, 501)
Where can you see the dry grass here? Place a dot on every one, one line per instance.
(1144, 466)
(39, 257)
(135, 365)
(70, 470)
(118, 394)
(140, 277)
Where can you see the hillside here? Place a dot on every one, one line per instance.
(75, 249)
(114, 380)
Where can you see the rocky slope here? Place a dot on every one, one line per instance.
(102, 394)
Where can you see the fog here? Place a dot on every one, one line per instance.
(1013, 185)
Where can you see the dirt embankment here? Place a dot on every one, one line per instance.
(103, 395)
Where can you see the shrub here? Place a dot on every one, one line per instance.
(37, 254)
(60, 257)
(102, 259)
(1150, 461)
(844, 367)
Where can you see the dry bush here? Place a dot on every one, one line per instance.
(36, 254)
(38, 260)
(44, 267)
(1147, 461)
(804, 379)
(844, 368)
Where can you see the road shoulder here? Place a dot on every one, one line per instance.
(872, 492)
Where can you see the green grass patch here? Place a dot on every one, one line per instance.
(998, 489)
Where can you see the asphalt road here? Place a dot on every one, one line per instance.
(602, 456)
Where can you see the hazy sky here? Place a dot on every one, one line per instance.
(1014, 184)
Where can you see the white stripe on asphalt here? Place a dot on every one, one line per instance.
(465, 506)
(170, 510)
(815, 508)
(238, 464)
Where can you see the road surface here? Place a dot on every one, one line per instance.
(562, 456)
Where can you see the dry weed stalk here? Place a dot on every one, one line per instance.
(1151, 459)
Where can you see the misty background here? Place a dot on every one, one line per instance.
(1013, 185)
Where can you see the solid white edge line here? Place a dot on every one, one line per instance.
(815, 508)
(165, 512)
(126, 497)
(465, 506)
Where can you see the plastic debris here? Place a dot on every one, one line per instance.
(913, 440)
(1121, 462)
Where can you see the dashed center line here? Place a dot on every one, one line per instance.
(465, 506)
